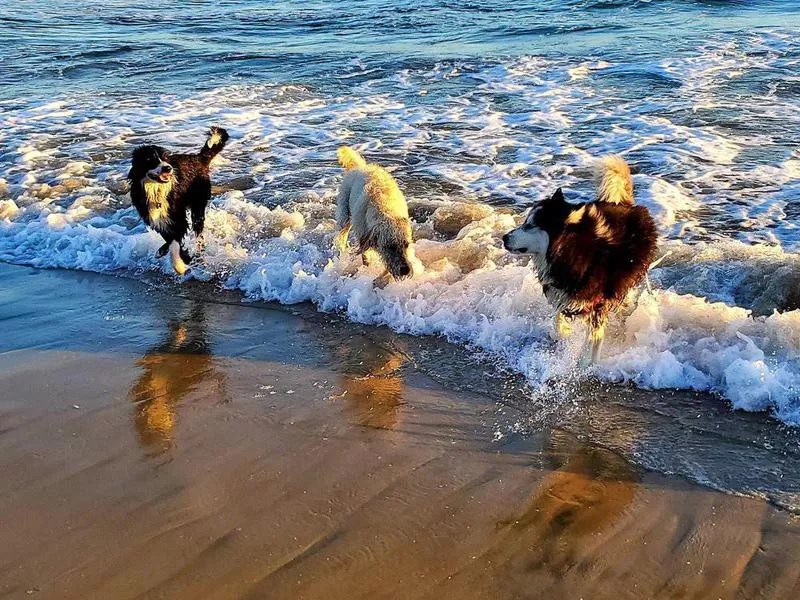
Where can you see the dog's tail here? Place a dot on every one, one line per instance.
(217, 138)
(350, 158)
(614, 183)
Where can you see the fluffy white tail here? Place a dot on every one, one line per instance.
(350, 158)
(175, 257)
(614, 183)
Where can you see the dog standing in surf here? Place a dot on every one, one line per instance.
(165, 186)
(589, 256)
(372, 205)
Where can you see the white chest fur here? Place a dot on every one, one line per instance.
(157, 205)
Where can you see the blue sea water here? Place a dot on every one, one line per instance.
(483, 102)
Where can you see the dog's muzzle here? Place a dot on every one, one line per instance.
(507, 246)
(161, 174)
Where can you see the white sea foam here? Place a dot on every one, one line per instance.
(63, 204)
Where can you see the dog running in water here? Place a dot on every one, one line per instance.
(164, 186)
(589, 256)
(373, 207)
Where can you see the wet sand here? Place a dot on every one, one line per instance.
(157, 445)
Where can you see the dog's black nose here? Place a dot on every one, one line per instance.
(166, 169)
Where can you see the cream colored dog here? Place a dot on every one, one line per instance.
(371, 204)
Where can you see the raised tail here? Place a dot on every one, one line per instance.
(614, 183)
(350, 158)
(217, 138)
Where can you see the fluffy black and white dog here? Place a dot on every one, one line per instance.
(164, 186)
(589, 256)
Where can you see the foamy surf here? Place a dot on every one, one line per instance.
(471, 291)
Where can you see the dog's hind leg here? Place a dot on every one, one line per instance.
(341, 238)
(343, 220)
(185, 256)
(162, 252)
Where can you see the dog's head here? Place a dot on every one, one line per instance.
(392, 240)
(151, 163)
(546, 220)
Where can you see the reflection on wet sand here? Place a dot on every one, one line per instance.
(178, 365)
(372, 384)
(578, 500)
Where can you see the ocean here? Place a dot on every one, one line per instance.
(484, 102)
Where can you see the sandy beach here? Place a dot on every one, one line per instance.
(158, 445)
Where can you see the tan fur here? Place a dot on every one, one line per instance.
(614, 183)
(157, 205)
(350, 158)
(576, 215)
(601, 227)
(372, 205)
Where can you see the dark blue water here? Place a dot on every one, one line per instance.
(62, 45)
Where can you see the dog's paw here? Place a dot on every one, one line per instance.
(162, 252)
(382, 281)
(562, 327)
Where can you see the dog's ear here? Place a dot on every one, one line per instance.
(558, 196)
(138, 159)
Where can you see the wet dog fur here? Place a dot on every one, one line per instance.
(165, 186)
(589, 256)
(373, 207)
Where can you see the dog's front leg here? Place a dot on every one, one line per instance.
(562, 326)
(596, 337)
(594, 343)
(383, 280)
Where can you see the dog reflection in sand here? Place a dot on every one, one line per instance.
(177, 368)
(371, 204)
(589, 490)
(372, 384)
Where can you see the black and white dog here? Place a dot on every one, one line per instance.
(589, 256)
(164, 186)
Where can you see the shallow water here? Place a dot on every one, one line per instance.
(466, 102)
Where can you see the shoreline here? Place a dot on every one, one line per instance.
(181, 473)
